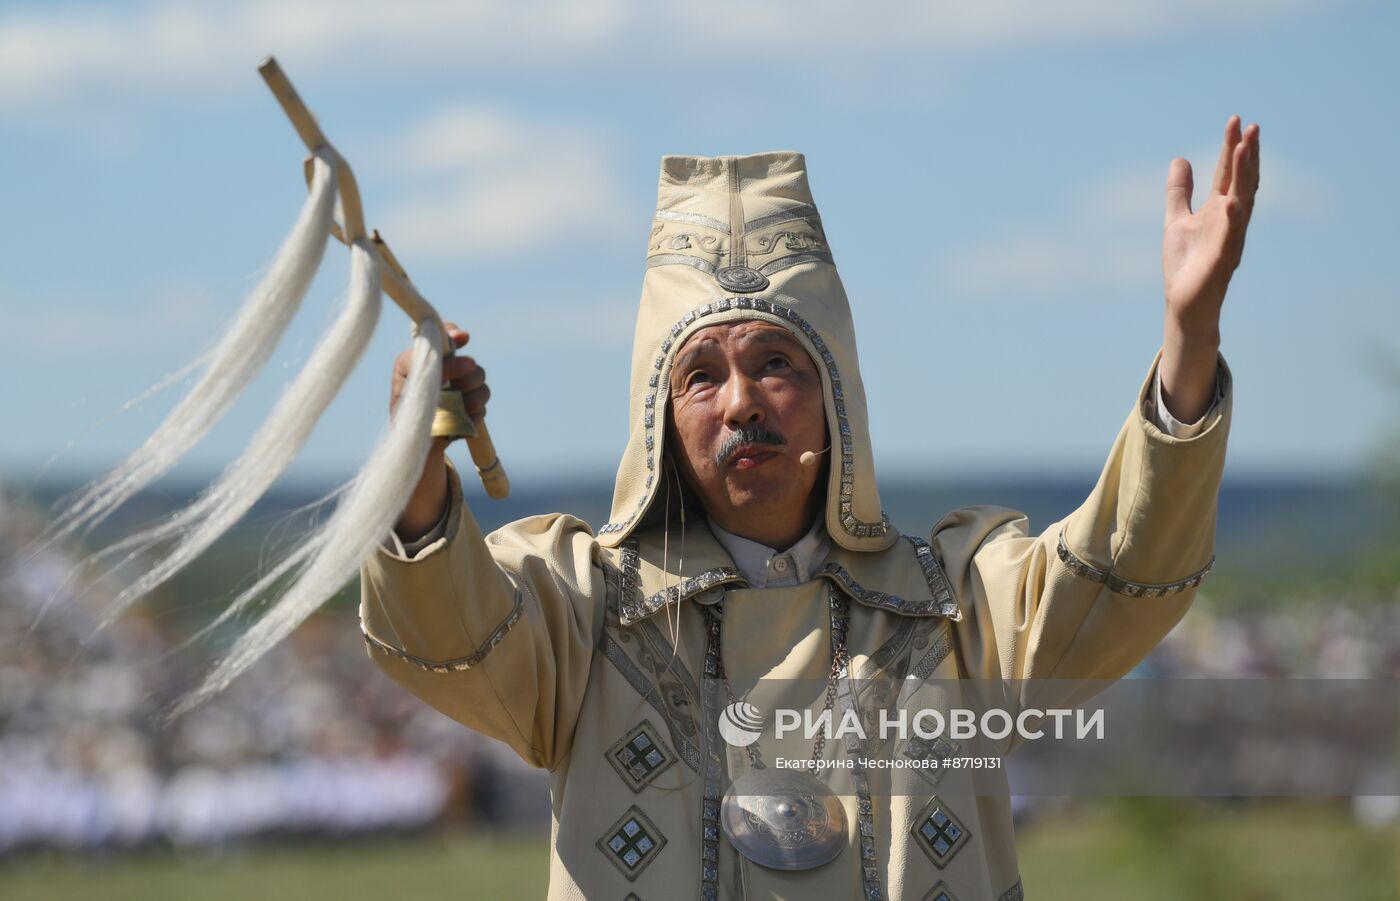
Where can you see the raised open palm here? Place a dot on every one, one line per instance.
(1201, 249)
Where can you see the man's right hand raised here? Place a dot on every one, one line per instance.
(429, 501)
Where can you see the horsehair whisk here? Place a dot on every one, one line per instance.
(451, 420)
(372, 500)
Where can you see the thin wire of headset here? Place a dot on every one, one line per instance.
(672, 632)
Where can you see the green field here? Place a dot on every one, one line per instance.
(1141, 849)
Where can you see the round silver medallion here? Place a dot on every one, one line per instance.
(741, 278)
(784, 821)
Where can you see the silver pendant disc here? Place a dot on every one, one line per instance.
(784, 820)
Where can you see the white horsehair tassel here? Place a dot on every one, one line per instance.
(240, 354)
(366, 512)
(276, 444)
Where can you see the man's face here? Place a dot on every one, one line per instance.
(746, 403)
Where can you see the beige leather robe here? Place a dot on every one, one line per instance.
(543, 638)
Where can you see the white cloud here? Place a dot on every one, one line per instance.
(462, 136)
(165, 48)
(1109, 239)
(173, 48)
(478, 182)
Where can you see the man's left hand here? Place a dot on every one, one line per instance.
(1201, 250)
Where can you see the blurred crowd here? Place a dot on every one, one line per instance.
(1336, 637)
(314, 741)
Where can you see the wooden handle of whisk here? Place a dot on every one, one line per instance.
(452, 422)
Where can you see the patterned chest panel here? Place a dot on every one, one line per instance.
(639, 757)
(939, 833)
(632, 843)
(643, 656)
(671, 726)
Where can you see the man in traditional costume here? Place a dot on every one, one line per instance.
(747, 542)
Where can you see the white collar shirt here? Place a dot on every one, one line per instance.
(765, 567)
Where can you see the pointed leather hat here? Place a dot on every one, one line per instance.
(738, 237)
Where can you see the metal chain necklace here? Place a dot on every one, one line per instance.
(784, 820)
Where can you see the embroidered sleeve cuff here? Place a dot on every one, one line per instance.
(460, 664)
(1119, 585)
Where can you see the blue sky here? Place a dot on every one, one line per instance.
(990, 178)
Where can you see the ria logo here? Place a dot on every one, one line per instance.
(740, 724)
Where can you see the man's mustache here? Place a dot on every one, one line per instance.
(751, 434)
